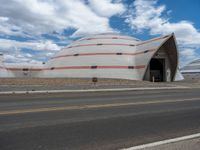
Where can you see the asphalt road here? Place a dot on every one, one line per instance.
(101, 120)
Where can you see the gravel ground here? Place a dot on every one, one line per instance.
(64, 82)
(14, 84)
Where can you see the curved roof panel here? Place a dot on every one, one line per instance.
(193, 66)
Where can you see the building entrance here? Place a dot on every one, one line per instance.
(157, 70)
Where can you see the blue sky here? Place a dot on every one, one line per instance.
(32, 31)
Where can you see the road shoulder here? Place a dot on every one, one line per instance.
(190, 142)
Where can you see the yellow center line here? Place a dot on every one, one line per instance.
(48, 109)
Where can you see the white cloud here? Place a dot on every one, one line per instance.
(16, 59)
(145, 14)
(23, 59)
(8, 29)
(19, 57)
(106, 8)
(35, 45)
(35, 17)
(12, 50)
(187, 55)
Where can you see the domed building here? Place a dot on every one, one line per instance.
(110, 55)
(192, 70)
(3, 70)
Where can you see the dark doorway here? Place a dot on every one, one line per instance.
(157, 68)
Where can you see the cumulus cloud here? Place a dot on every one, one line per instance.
(187, 52)
(12, 50)
(18, 59)
(16, 56)
(106, 8)
(147, 15)
(35, 45)
(35, 17)
(8, 29)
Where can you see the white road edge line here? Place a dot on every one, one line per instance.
(92, 90)
(169, 141)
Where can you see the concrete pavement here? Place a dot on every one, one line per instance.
(91, 90)
(189, 142)
(96, 120)
(192, 144)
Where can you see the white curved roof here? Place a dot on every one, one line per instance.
(193, 66)
(104, 56)
(106, 39)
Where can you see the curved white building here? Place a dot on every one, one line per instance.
(3, 70)
(192, 67)
(109, 56)
(192, 70)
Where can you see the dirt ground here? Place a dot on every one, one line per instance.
(7, 84)
(64, 82)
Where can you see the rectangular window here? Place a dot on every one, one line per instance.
(93, 67)
(99, 44)
(25, 69)
(130, 67)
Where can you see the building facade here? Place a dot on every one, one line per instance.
(107, 56)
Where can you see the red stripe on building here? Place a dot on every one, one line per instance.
(118, 44)
(96, 67)
(90, 54)
(139, 67)
(145, 42)
(69, 67)
(99, 44)
(79, 67)
(109, 38)
(112, 67)
(21, 69)
(116, 34)
(84, 54)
